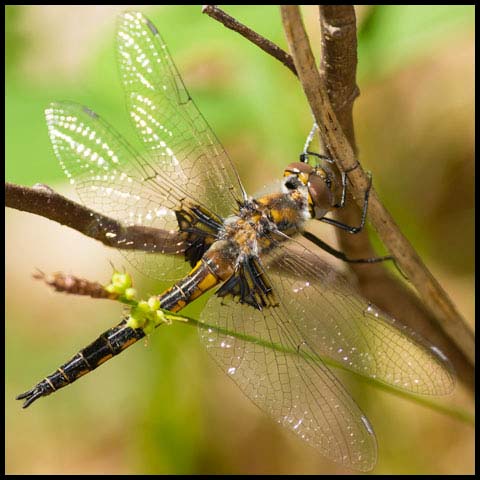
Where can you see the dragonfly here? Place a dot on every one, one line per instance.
(199, 229)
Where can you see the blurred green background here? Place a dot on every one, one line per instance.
(166, 407)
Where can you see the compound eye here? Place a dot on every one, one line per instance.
(298, 168)
(320, 193)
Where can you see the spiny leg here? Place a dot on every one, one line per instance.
(344, 177)
(337, 254)
(341, 225)
(331, 221)
(340, 255)
(308, 141)
(304, 158)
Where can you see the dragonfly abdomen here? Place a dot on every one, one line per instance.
(117, 339)
(204, 276)
(110, 343)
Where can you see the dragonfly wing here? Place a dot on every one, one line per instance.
(112, 179)
(340, 325)
(185, 177)
(289, 382)
(182, 147)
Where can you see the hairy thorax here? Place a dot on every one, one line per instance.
(259, 224)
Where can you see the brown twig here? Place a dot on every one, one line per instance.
(66, 283)
(431, 292)
(338, 69)
(261, 42)
(338, 66)
(42, 200)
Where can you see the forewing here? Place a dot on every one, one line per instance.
(340, 325)
(180, 142)
(113, 179)
(185, 167)
(289, 382)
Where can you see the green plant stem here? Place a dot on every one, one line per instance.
(450, 410)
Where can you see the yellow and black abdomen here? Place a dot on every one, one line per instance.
(201, 279)
(117, 339)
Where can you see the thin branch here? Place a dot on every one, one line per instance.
(42, 200)
(338, 66)
(73, 285)
(254, 37)
(338, 69)
(432, 294)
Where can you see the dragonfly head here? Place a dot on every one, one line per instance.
(319, 182)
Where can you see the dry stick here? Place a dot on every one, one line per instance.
(261, 42)
(338, 66)
(375, 282)
(338, 70)
(42, 200)
(432, 293)
(73, 285)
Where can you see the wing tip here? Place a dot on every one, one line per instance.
(90, 112)
(68, 107)
(133, 16)
(151, 26)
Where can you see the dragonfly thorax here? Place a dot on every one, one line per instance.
(259, 220)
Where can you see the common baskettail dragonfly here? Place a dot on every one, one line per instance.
(208, 233)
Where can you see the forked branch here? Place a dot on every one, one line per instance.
(338, 31)
(332, 135)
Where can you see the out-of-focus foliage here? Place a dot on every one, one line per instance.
(166, 408)
(391, 36)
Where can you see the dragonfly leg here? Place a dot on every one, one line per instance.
(344, 185)
(341, 225)
(304, 159)
(340, 255)
(308, 141)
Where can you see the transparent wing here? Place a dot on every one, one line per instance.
(180, 142)
(185, 165)
(113, 179)
(296, 389)
(338, 324)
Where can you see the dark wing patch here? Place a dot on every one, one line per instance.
(249, 285)
(200, 229)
